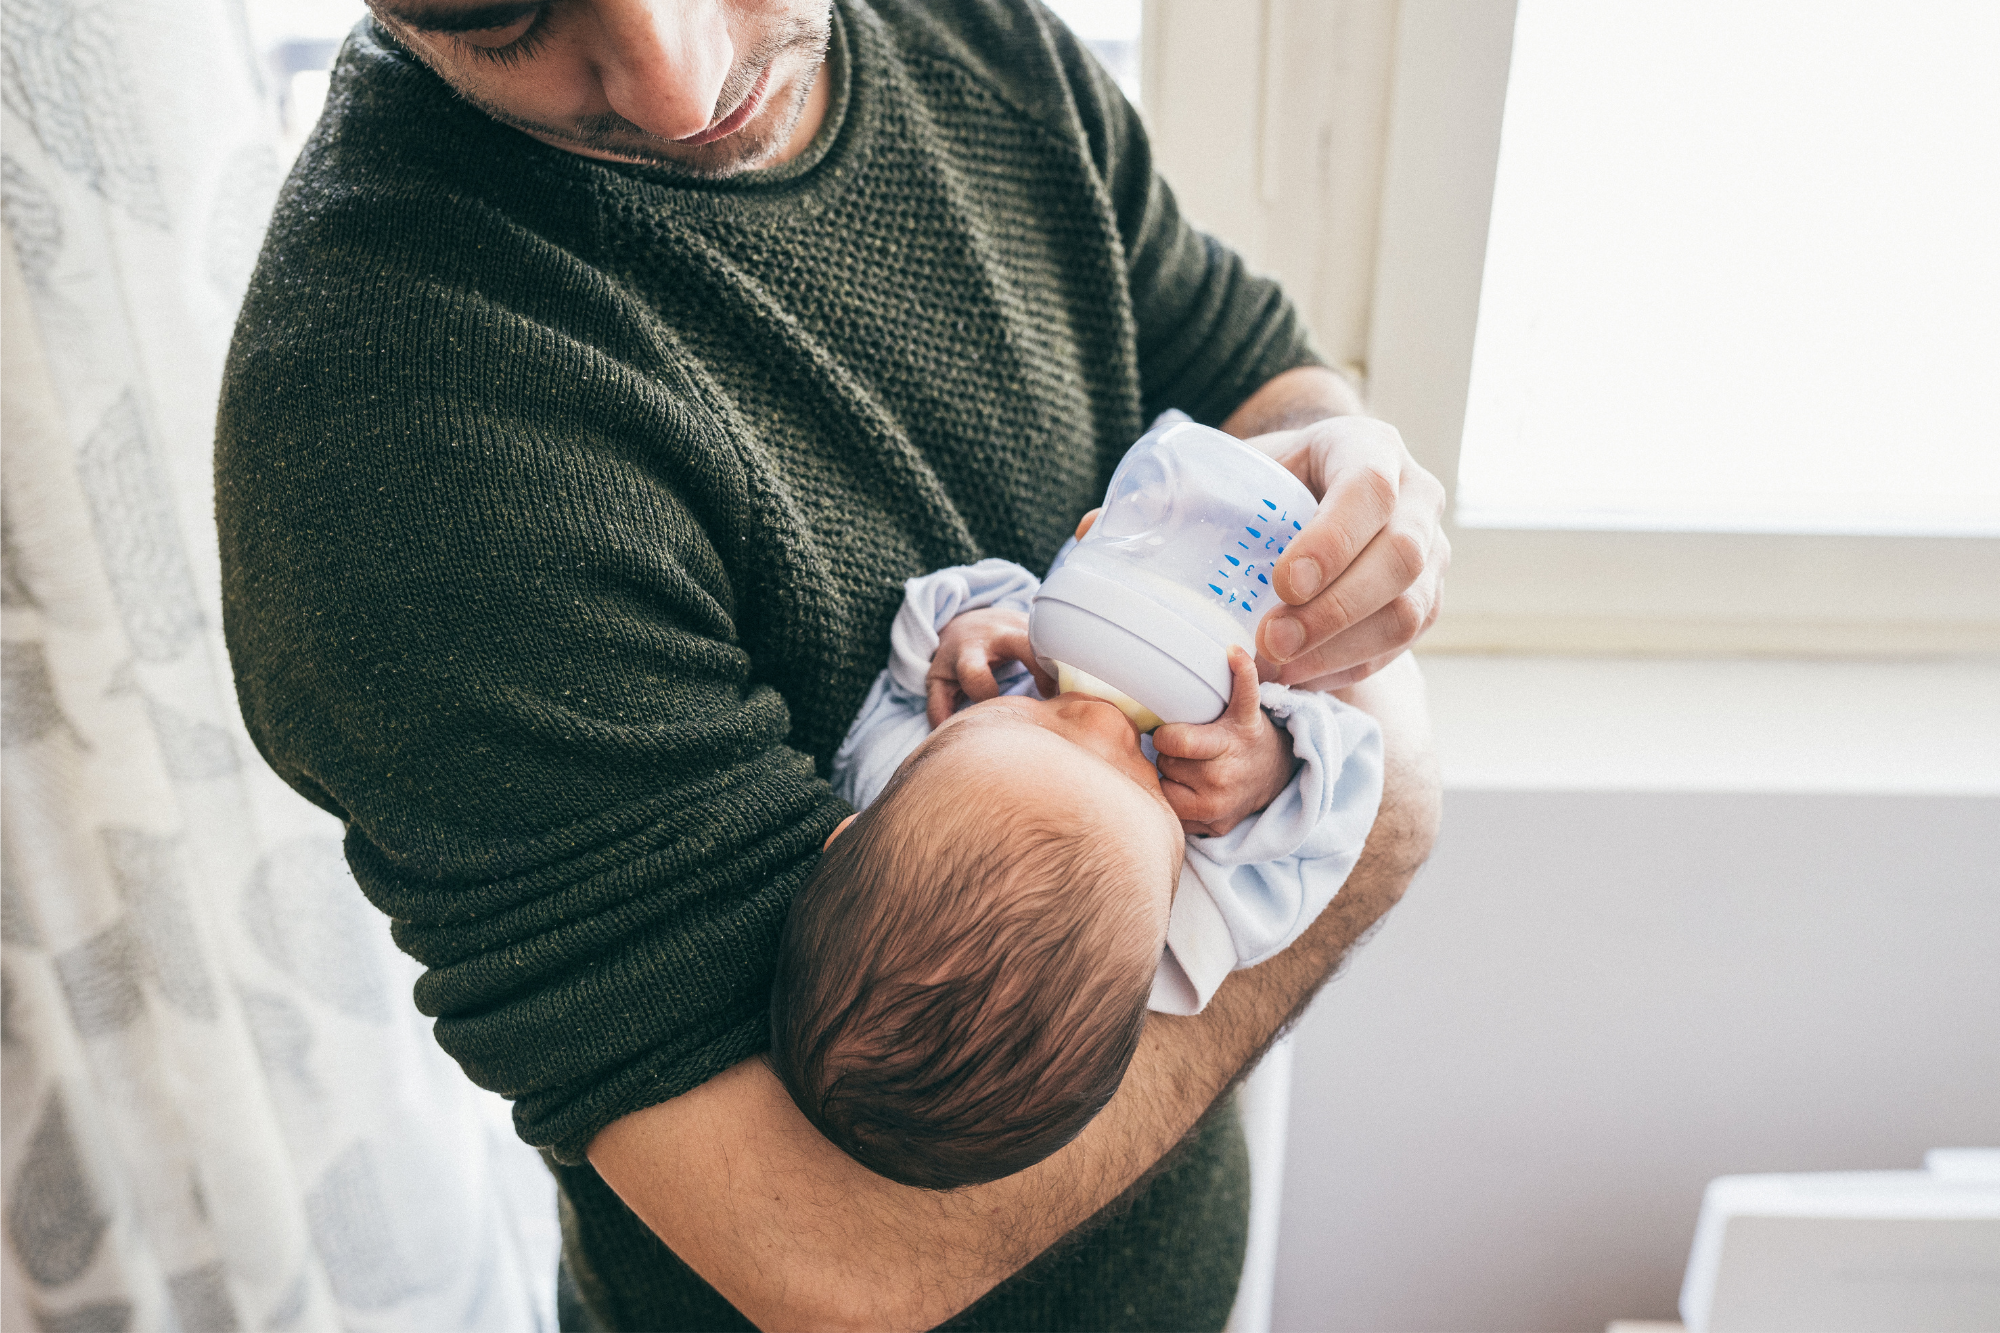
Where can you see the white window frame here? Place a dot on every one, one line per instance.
(1349, 147)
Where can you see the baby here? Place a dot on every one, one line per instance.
(964, 979)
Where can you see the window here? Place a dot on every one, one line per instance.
(1741, 273)
(298, 40)
(1553, 549)
(1110, 28)
(1269, 119)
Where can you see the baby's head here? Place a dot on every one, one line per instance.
(964, 979)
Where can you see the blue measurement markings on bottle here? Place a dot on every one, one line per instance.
(1245, 571)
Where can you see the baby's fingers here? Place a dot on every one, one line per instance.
(1201, 807)
(1211, 740)
(1190, 740)
(1046, 684)
(975, 673)
(1016, 649)
(940, 699)
(1013, 646)
(1244, 711)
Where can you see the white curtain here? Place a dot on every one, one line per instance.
(218, 1106)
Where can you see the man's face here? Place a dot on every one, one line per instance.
(712, 87)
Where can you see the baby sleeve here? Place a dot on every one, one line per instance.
(1247, 894)
(892, 720)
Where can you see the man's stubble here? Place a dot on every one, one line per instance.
(755, 143)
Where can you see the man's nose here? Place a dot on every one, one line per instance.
(662, 65)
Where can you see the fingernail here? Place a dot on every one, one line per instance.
(1305, 576)
(1283, 637)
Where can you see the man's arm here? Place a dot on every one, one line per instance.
(798, 1236)
(1366, 572)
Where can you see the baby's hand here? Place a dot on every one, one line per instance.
(968, 648)
(1217, 773)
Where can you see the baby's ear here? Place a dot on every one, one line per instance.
(838, 829)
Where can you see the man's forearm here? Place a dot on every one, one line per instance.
(1261, 1002)
(797, 1235)
(1298, 397)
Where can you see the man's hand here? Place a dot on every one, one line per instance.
(1365, 573)
(968, 648)
(1216, 774)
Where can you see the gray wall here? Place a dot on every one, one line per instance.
(1589, 1004)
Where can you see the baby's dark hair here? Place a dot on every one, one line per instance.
(953, 1004)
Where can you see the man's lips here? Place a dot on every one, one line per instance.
(736, 119)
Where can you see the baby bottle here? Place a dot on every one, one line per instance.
(1176, 568)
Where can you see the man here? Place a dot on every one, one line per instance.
(609, 366)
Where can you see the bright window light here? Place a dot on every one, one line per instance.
(1743, 272)
(1110, 28)
(298, 40)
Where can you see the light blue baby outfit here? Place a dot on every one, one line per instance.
(1243, 896)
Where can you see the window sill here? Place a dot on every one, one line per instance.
(1716, 725)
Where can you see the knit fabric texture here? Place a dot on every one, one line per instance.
(565, 507)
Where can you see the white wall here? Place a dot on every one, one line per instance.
(1594, 1001)
(1590, 1004)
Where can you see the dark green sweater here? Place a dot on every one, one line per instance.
(565, 507)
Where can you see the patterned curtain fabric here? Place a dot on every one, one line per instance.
(218, 1106)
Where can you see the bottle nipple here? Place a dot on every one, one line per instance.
(1142, 718)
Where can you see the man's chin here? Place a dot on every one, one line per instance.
(732, 156)
(753, 146)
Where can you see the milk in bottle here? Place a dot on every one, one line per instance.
(1176, 568)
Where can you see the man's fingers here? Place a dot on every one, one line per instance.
(1348, 520)
(1376, 640)
(1083, 524)
(1389, 564)
(1379, 607)
(1377, 536)
(1383, 634)
(1340, 680)
(1357, 466)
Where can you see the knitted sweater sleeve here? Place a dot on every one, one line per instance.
(1210, 332)
(483, 603)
